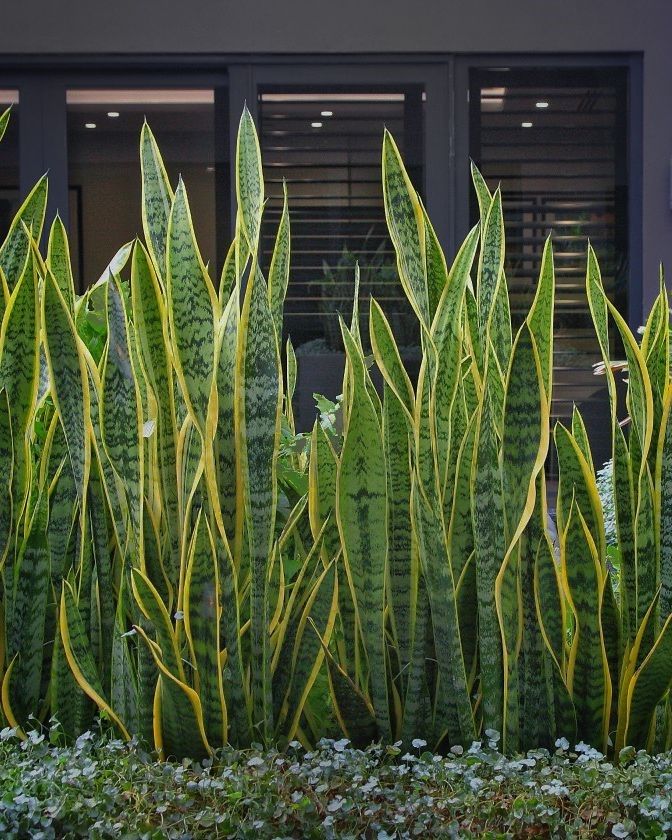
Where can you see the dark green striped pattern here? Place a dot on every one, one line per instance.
(157, 199)
(362, 521)
(405, 223)
(588, 675)
(69, 385)
(58, 262)
(260, 398)
(14, 250)
(249, 180)
(278, 274)
(191, 302)
(6, 466)
(120, 411)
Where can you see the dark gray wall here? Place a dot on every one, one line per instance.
(99, 27)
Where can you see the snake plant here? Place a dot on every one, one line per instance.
(159, 569)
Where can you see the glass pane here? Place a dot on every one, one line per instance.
(9, 162)
(556, 141)
(104, 167)
(326, 145)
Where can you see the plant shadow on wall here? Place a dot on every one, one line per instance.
(173, 561)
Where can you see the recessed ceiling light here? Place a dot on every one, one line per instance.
(209, 168)
(89, 125)
(526, 125)
(316, 125)
(542, 104)
(326, 113)
(113, 114)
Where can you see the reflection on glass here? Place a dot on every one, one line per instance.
(104, 167)
(326, 146)
(556, 141)
(9, 162)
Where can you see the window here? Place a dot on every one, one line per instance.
(326, 145)
(556, 141)
(9, 160)
(104, 166)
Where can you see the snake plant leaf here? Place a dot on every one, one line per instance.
(389, 362)
(290, 379)
(225, 437)
(402, 561)
(19, 373)
(69, 704)
(249, 180)
(6, 468)
(29, 217)
(417, 713)
(278, 273)
(157, 199)
(123, 668)
(453, 715)
(58, 262)
(151, 335)
(406, 225)
(460, 531)
(490, 548)
(588, 677)
(580, 435)
(624, 506)
(100, 539)
(647, 569)
(352, 709)
(26, 621)
(540, 317)
(69, 380)
(77, 650)
(259, 386)
(201, 624)
(4, 121)
(228, 278)
(577, 484)
(647, 688)
(322, 488)
(178, 717)
(437, 271)
(192, 310)
(526, 434)
(362, 515)
(120, 408)
(314, 630)
(663, 504)
(490, 263)
(549, 604)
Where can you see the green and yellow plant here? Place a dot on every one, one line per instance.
(163, 566)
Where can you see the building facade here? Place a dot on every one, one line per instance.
(568, 107)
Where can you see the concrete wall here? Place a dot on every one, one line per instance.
(126, 27)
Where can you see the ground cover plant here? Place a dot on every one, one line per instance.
(175, 561)
(103, 788)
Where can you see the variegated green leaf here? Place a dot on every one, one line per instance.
(157, 199)
(192, 310)
(278, 274)
(405, 222)
(14, 250)
(249, 180)
(58, 262)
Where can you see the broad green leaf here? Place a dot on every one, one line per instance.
(157, 199)
(120, 408)
(487, 504)
(259, 402)
(69, 380)
(388, 359)
(490, 264)
(192, 310)
(6, 467)
(151, 334)
(278, 274)
(249, 180)
(201, 624)
(362, 521)
(540, 317)
(19, 373)
(587, 670)
(406, 225)
(14, 250)
(58, 262)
